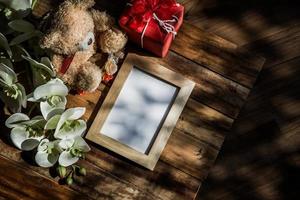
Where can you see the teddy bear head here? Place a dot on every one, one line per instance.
(73, 28)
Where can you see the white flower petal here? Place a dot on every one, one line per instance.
(36, 121)
(43, 146)
(45, 109)
(79, 130)
(45, 160)
(29, 144)
(18, 136)
(56, 81)
(52, 122)
(66, 143)
(49, 111)
(31, 98)
(66, 159)
(50, 89)
(81, 144)
(73, 113)
(17, 117)
(70, 114)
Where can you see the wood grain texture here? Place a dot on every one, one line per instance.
(97, 184)
(15, 179)
(211, 89)
(241, 68)
(224, 76)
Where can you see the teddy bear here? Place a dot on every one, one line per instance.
(84, 44)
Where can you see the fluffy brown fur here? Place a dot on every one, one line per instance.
(71, 25)
(112, 40)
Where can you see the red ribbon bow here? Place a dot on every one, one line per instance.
(140, 14)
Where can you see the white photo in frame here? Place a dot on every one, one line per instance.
(139, 110)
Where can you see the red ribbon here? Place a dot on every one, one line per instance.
(66, 64)
(141, 12)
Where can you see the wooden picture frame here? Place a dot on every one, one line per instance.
(135, 64)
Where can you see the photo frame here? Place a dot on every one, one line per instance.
(140, 110)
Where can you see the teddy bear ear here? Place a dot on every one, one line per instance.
(49, 40)
(83, 4)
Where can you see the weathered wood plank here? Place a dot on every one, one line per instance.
(17, 182)
(212, 89)
(202, 131)
(201, 37)
(191, 156)
(167, 184)
(97, 184)
(196, 111)
(229, 63)
(241, 24)
(278, 47)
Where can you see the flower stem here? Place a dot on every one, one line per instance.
(31, 109)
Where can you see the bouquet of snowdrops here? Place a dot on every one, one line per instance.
(54, 136)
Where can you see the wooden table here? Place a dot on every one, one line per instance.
(224, 78)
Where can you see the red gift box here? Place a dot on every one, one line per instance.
(152, 24)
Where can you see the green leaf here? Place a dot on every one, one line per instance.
(23, 37)
(17, 4)
(38, 65)
(9, 71)
(18, 51)
(19, 14)
(46, 61)
(3, 83)
(4, 45)
(12, 104)
(23, 92)
(5, 78)
(7, 62)
(33, 3)
(21, 25)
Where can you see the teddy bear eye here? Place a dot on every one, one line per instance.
(88, 40)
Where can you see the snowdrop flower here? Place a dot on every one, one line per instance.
(73, 149)
(26, 134)
(12, 93)
(52, 97)
(67, 125)
(47, 153)
(68, 128)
